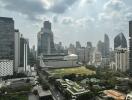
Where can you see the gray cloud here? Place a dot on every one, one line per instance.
(67, 20)
(33, 8)
(62, 5)
(113, 10)
(26, 7)
(114, 5)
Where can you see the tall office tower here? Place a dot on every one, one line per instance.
(120, 41)
(17, 50)
(106, 45)
(89, 45)
(23, 54)
(130, 46)
(78, 45)
(100, 48)
(7, 38)
(46, 40)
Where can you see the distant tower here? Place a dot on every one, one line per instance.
(78, 45)
(130, 46)
(106, 45)
(120, 41)
(89, 45)
(46, 40)
(100, 48)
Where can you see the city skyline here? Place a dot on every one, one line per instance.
(84, 25)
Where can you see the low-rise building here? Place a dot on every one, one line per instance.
(116, 95)
(72, 89)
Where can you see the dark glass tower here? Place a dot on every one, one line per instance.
(120, 41)
(130, 46)
(7, 34)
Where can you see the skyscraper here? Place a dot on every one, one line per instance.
(120, 41)
(6, 38)
(130, 46)
(46, 40)
(106, 45)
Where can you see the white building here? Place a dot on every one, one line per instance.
(6, 67)
(121, 59)
(97, 58)
(71, 57)
(17, 50)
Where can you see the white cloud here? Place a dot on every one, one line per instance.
(113, 10)
(114, 5)
(84, 21)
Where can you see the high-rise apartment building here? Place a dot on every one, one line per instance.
(46, 40)
(121, 59)
(7, 38)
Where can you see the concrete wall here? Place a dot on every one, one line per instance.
(58, 64)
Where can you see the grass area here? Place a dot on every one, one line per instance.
(14, 97)
(66, 71)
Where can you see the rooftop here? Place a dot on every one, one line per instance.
(115, 94)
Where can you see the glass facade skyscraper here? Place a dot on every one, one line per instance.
(6, 38)
(120, 41)
(130, 46)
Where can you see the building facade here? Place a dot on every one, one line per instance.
(6, 67)
(7, 38)
(23, 54)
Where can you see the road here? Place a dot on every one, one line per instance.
(32, 97)
(55, 93)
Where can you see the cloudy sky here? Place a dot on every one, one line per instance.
(72, 20)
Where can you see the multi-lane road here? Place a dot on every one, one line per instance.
(55, 93)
